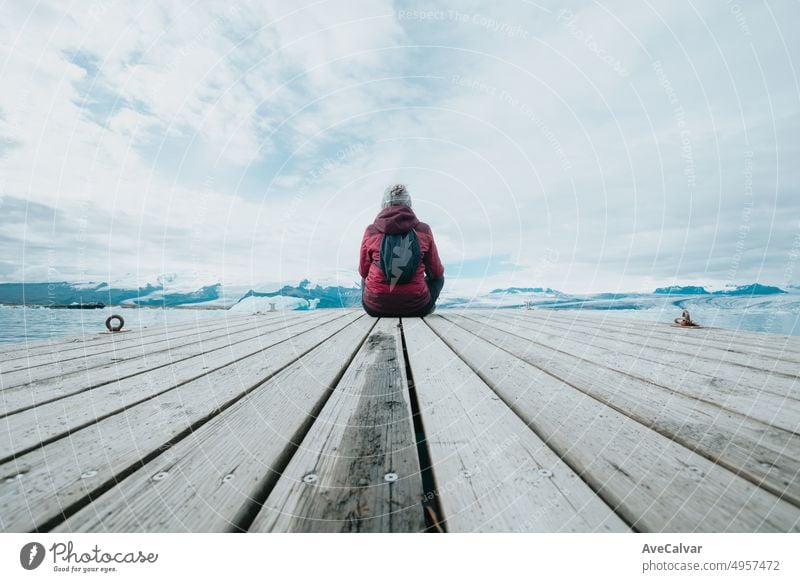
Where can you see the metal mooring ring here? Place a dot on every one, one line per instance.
(113, 328)
(685, 320)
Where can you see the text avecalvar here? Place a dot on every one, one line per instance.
(671, 549)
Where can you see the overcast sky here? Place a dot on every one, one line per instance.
(614, 146)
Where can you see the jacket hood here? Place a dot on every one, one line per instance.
(396, 220)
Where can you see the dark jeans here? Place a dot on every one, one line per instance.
(435, 288)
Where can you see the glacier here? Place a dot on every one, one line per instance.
(753, 307)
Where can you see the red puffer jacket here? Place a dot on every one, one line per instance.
(407, 297)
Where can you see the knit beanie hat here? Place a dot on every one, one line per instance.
(396, 195)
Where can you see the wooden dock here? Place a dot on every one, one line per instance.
(465, 421)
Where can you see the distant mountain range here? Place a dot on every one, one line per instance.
(305, 295)
(64, 293)
(741, 290)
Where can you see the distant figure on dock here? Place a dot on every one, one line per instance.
(401, 274)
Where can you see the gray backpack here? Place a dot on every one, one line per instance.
(400, 257)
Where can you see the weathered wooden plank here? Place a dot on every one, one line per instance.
(53, 360)
(207, 482)
(19, 372)
(64, 347)
(766, 455)
(722, 375)
(37, 488)
(103, 342)
(492, 472)
(46, 422)
(761, 353)
(178, 365)
(678, 341)
(761, 343)
(357, 470)
(55, 344)
(775, 410)
(734, 336)
(734, 341)
(655, 483)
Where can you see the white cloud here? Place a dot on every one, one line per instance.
(206, 138)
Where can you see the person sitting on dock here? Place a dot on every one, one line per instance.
(401, 273)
